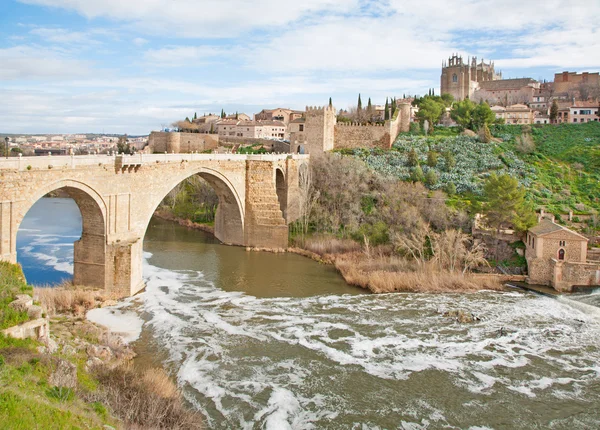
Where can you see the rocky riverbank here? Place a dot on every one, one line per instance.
(75, 373)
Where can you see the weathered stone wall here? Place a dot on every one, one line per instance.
(161, 142)
(566, 274)
(117, 197)
(361, 136)
(319, 130)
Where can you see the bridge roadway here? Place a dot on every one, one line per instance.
(259, 195)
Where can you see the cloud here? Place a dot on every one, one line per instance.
(30, 62)
(177, 56)
(139, 41)
(61, 35)
(211, 18)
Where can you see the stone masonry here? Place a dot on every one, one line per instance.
(117, 196)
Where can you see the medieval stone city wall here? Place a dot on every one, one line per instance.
(160, 142)
(504, 97)
(361, 136)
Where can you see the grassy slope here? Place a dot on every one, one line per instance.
(26, 399)
(561, 174)
(12, 282)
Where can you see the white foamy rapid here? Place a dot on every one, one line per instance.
(119, 319)
(373, 361)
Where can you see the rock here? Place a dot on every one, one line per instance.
(35, 312)
(51, 345)
(125, 354)
(69, 350)
(469, 133)
(462, 316)
(102, 352)
(108, 303)
(65, 375)
(42, 349)
(92, 362)
(22, 302)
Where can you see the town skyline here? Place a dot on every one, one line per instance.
(132, 67)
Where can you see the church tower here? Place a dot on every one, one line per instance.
(456, 78)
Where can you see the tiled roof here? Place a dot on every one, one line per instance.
(506, 84)
(546, 227)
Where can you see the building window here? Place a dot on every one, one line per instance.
(574, 119)
(454, 78)
(533, 242)
(561, 254)
(301, 127)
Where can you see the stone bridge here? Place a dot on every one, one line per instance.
(117, 196)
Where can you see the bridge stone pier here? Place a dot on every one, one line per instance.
(117, 196)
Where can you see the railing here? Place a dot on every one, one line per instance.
(74, 161)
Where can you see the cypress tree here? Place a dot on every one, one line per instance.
(359, 106)
(386, 115)
(330, 102)
(195, 115)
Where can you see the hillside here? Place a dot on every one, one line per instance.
(561, 169)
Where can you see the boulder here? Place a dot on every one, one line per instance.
(51, 345)
(92, 362)
(22, 302)
(64, 375)
(102, 352)
(35, 312)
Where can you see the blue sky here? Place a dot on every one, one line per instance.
(132, 66)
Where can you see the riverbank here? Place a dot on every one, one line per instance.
(377, 270)
(81, 375)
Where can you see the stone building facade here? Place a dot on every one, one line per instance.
(161, 142)
(567, 82)
(514, 114)
(557, 256)
(461, 79)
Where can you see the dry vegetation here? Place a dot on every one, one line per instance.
(386, 235)
(67, 299)
(149, 400)
(386, 275)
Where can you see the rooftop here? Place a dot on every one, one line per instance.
(506, 84)
(547, 226)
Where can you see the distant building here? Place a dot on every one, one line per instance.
(280, 114)
(514, 114)
(252, 129)
(572, 82)
(557, 256)
(461, 79)
(583, 112)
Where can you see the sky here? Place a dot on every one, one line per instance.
(133, 66)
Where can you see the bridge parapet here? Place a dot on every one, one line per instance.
(75, 161)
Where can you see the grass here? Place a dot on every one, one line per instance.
(111, 393)
(12, 283)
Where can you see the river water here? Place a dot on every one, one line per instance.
(277, 341)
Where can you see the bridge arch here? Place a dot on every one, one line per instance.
(89, 257)
(230, 216)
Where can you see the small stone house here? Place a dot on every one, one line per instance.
(557, 256)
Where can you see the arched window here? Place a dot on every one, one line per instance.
(561, 254)
(454, 78)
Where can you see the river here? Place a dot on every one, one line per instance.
(276, 341)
